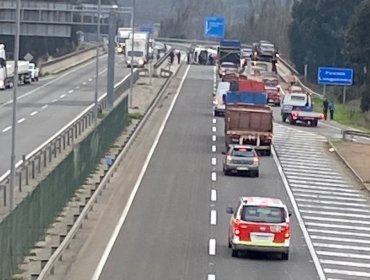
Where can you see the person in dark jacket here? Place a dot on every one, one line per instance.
(178, 57)
(172, 56)
(325, 107)
(331, 108)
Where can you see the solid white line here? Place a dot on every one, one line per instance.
(213, 218)
(214, 176)
(214, 120)
(117, 230)
(330, 219)
(343, 247)
(339, 189)
(337, 192)
(211, 277)
(213, 195)
(336, 214)
(347, 272)
(212, 247)
(344, 263)
(213, 148)
(343, 255)
(62, 96)
(33, 113)
(7, 128)
(316, 179)
(214, 138)
(44, 107)
(331, 126)
(335, 232)
(338, 226)
(214, 129)
(71, 91)
(333, 208)
(320, 201)
(339, 239)
(214, 161)
(292, 166)
(21, 120)
(305, 163)
(308, 172)
(54, 100)
(306, 235)
(330, 197)
(305, 182)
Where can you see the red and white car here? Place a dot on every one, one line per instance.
(259, 224)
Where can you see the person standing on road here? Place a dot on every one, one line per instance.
(325, 106)
(331, 108)
(178, 57)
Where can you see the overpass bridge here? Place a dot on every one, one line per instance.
(47, 19)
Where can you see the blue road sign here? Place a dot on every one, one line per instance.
(214, 27)
(148, 29)
(335, 76)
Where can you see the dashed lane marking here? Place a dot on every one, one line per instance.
(214, 176)
(214, 129)
(54, 100)
(214, 148)
(212, 247)
(62, 96)
(214, 120)
(213, 195)
(7, 128)
(213, 217)
(214, 138)
(33, 113)
(213, 161)
(44, 107)
(21, 120)
(71, 91)
(211, 277)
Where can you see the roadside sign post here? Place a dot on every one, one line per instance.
(305, 72)
(335, 77)
(344, 94)
(214, 27)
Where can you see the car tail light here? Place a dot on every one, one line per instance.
(236, 228)
(286, 230)
(295, 114)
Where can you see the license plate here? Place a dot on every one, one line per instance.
(242, 168)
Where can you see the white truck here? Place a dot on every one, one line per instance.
(141, 49)
(7, 71)
(123, 34)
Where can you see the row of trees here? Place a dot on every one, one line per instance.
(333, 33)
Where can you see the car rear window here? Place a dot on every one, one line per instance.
(263, 214)
(242, 152)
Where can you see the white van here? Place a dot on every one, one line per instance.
(218, 100)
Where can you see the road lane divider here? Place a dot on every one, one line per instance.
(34, 113)
(214, 148)
(62, 96)
(213, 195)
(214, 161)
(54, 100)
(212, 247)
(214, 120)
(7, 128)
(214, 129)
(211, 277)
(21, 120)
(44, 107)
(214, 138)
(71, 91)
(213, 176)
(213, 217)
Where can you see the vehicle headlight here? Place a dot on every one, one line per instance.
(277, 55)
(119, 49)
(229, 159)
(141, 61)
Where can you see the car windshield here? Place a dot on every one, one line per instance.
(135, 53)
(229, 66)
(242, 152)
(298, 98)
(263, 214)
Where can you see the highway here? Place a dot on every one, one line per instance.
(45, 107)
(168, 233)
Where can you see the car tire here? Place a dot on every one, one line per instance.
(226, 173)
(256, 173)
(235, 253)
(285, 256)
(283, 119)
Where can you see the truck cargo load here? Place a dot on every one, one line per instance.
(238, 97)
(249, 125)
(229, 51)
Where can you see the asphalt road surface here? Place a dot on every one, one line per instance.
(167, 232)
(45, 107)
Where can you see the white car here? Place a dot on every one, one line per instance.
(34, 71)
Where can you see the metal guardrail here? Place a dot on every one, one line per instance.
(163, 58)
(58, 253)
(354, 133)
(32, 164)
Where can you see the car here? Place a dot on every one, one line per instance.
(219, 99)
(34, 71)
(259, 224)
(241, 159)
(228, 68)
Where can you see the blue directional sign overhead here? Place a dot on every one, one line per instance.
(149, 29)
(214, 27)
(335, 76)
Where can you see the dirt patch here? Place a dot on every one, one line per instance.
(357, 156)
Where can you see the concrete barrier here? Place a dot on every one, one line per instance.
(70, 60)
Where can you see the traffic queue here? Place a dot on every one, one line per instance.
(247, 87)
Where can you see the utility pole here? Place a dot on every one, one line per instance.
(14, 117)
(111, 54)
(132, 54)
(97, 67)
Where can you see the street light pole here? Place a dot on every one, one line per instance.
(132, 53)
(14, 114)
(97, 67)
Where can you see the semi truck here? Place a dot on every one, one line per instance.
(229, 51)
(7, 71)
(123, 34)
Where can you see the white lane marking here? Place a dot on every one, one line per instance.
(308, 172)
(214, 138)
(304, 158)
(291, 166)
(77, 87)
(213, 217)
(47, 84)
(214, 161)
(316, 179)
(212, 247)
(84, 83)
(122, 219)
(214, 120)
(343, 255)
(347, 272)
(7, 128)
(331, 219)
(62, 96)
(335, 232)
(312, 187)
(345, 263)
(334, 193)
(44, 107)
(213, 148)
(71, 91)
(213, 195)
(307, 164)
(333, 202)
(211, 277)
(329, 197)
(90, 79)
(34, 113)
(214, 176)
(21, 120)
(331, 126)
(336, 214)
(337, 226)
(54, 100)
(339, 239)
(333, 208)
(214, 129)
(301, 223)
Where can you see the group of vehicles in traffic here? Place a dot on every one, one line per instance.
(27, 71)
